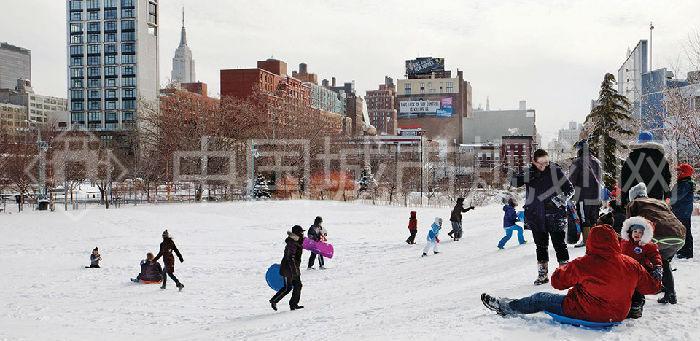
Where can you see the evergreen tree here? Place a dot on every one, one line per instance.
(261, 188)
(606, 124)
(366, 181)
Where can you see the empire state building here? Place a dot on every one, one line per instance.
(183, 64)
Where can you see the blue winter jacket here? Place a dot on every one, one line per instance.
(540, 188)
(682, 199)
(433, 233)
(510, 217)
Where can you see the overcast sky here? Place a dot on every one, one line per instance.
(551, 53)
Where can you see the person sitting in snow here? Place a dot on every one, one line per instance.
(456, 219)
(95, 259)
(317, 233)
(636, 242)
(669, 232)
(412, 228)
(290, 269)
(600, 284)
(151, 270)
(433, 239)
(510, 217)
(166, 251)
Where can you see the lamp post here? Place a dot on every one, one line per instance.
(42, 147)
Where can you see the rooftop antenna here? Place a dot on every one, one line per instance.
(651, 33)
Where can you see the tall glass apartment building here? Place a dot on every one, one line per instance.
(112, 61)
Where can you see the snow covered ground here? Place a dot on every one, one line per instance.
(377, 287)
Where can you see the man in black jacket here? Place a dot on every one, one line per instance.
(586, 176)
(456, 219)
(290, 269)
(646, 163)
(546, 192)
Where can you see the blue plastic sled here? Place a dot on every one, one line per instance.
(273, 278)
(521, 216)
(582, 323)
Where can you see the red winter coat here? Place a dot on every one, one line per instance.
(602, 282)
(645, 251)
(413, 222)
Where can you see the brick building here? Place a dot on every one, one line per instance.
(381, 107)
(516, 151)
(269, 78)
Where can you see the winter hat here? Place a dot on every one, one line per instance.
(413, 214)
(318, 220)
(150, 256)
(638, 191)
(460, 200)
(646, 136)
(685, 171)
(438, 221)
(95, 249)
(581, 144)
(296, 229)
(166, 234)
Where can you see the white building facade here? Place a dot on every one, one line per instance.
(183, 64)
(113, 68)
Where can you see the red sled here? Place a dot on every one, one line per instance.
(323, 249)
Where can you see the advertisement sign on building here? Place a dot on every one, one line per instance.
(425, 65)
(441, 108)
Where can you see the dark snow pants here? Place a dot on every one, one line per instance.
(667, 278)
(555, 224)
(290, 285)
(169, 273)
(541, 301)
(412, 239)
(687, 249)
(312, 259)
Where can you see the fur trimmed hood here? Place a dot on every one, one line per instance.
(649, 145)
(648, 229)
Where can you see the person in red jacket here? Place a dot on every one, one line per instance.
(637, 234)
(412, 227)
(600, 284)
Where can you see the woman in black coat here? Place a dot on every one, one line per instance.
(166, 251)
(290, 269)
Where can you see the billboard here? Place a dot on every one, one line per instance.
(425, 65)
(420, 108)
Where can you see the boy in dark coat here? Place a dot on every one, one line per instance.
(637, 234)
(95, 259)
(166, 251)
(412, 228)
(456, 219)
(290, 269)
(669, 233)
(317, 233)
(642, 165)
(150, 270)
(600, 284)
(682, 205)
(547, 191)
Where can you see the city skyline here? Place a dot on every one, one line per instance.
(504, 55)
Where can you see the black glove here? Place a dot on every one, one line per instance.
(471, 207)
(181, 260)
(658, 273)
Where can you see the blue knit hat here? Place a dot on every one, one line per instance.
(646, 136)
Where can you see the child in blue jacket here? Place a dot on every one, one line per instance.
(510, 217)
(433, 239)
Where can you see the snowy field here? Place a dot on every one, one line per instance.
(377, 287)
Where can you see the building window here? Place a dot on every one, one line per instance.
(128, 59)
(127, 3)
(94, 27)
(76, 28)
(129, 81)
(76, 61)
(95, 116)
(77, 106)
(111, 71)
(76, 83)
(128, 70)
(110, 48)
(94, 72)
(110, 94)
(93, 4)
(110, 3)
(129, 104)
(111, 60)
(93, 38)
(129, 93)
(76, 16)
(128, 116)
(111, 105)
(110, 37)
(76, 73)
(127, 13)
(93, 49)
(76, 5)
(76, 50)
(110, 14)
(128, 25)
(110, 26)
(111, 83)
(94, 94)
(94, 105)
(76, 95)
(78, 117)
(111, 116)
(95, 15)
(128, 36)
(128, 48)
(76, 39)
(94, 83)
(450, 87)
(93, 60)
(152, 13)
(407, 88)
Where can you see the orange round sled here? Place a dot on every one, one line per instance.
(149, 282)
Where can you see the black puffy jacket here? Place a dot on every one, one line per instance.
(291, 262)
(540, 188)
(586, 176)
(641, 166)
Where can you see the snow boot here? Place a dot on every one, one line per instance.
(296, 307)
(451, 233)
(668, 298)
(562, 263)
(542, 270)
(135, 280)
(636, 311)
(436, 252)
(581, 244)
(424, 254)
(499, 305)
(180, 286)
(273, 305)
